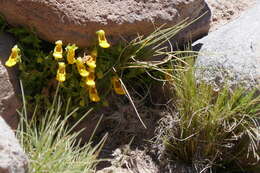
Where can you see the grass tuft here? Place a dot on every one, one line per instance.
(52, 146)
(211, 130)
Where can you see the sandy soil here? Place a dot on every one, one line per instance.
(224, 11)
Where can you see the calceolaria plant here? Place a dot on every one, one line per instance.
(77, 71)
(86, 66)
(89, 76)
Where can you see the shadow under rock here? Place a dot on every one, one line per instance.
(7, 41)
(195, 30)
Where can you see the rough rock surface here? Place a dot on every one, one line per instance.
(8, 83)
(12, 157)
(232, 53)
(224, 11)
(76, 21)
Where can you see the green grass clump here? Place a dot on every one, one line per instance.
(211, 130)
(52, 146)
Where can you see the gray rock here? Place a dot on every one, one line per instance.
(232, 53)
(76, 21)
(12, 157)
(9, 101)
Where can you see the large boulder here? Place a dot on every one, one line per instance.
(9, 101)
(75, 21)
(12, 157)
(232, 53)
(224, 11)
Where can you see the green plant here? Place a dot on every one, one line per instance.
(116, 65)
(51, 144)
(211, 130)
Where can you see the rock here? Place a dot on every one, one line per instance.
(127, 161)
(224, 11)
(12, 157)
(113, 169)
(9, 86)
(76, 21)
(232, 53)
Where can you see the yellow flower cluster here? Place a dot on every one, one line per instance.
(86, 66)
(89, 74)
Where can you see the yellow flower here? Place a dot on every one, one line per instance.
(61, 72)
(71, 53)
(81, 67)
(90, 61)
(90, 79)
(93, 95)
(102, 39)
(14, 57)
(117, 85)
(57, 54)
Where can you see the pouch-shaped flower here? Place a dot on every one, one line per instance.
(61, 72)
(14, 57)
(57, 54)
(117, 85)
(81, 67)
(71, 53)
(102, 39)
(90, 80)
(93, 95)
